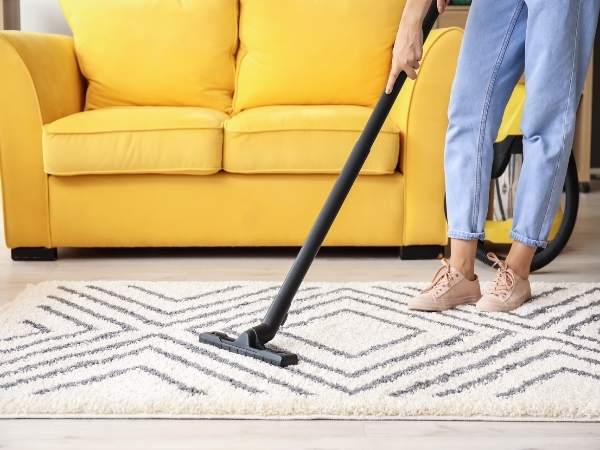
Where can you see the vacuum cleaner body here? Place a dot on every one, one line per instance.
(252, 342)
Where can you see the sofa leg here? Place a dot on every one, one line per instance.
(34, 254)
(421, 252)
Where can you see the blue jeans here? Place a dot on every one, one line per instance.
(550, 41)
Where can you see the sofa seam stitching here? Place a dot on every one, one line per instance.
(41, 119)
(405, 142)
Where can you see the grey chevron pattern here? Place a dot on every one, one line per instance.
(129, 348)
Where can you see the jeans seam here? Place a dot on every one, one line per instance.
(457, 234)
(484, 114)
(548, 198)
(527, 240)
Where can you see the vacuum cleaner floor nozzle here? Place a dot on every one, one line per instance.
(243, 346)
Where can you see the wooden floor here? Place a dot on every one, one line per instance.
(579, 262)
(296, 435)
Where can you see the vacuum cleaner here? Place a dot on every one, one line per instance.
(252, 342)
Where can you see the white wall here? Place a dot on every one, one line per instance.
(44, 16)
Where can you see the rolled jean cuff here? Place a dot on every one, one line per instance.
(525, 240)
(465, 235)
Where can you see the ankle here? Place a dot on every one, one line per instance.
(519, 259)
(521, 271)
(467, 268)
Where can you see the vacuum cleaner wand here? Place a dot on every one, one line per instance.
(252, 342)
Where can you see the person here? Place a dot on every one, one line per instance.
(550, 43)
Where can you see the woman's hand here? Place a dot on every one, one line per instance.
(442, 4)
(408, 48)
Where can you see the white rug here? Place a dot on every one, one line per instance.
(130, 348)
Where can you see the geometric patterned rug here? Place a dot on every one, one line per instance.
(130, 348)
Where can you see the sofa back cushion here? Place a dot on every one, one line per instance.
(314, 51)
(156, 52)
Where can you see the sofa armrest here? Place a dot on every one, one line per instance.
(421, 113)
(40, 83)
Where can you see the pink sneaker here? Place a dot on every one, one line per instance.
(507, 292)
(448, 290)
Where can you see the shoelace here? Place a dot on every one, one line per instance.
(441, 279)
(504, 280)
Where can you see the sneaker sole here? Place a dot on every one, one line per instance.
(441, 306)
(499, 308)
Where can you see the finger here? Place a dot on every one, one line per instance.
(391, 80)
(411, 73)
(441, 5)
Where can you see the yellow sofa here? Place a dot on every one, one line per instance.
(217, 123)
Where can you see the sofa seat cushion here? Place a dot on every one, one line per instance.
(135, 139)
(304, 139)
